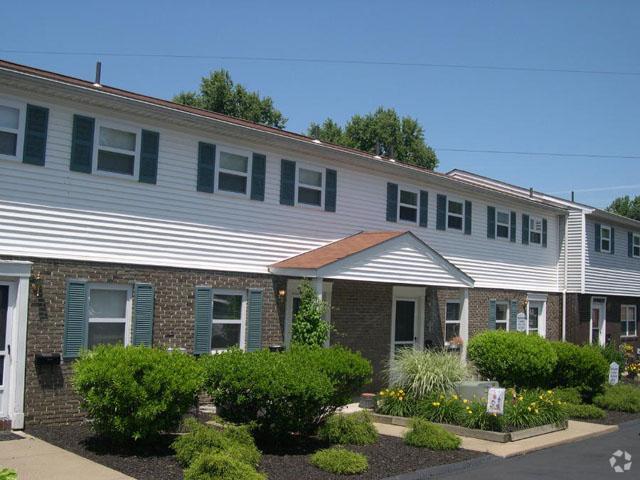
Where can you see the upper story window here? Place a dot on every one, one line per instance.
(503, 224)
(408, 206)
(10, 131)
(117, 149)
(535, 230)
(309, 186)
(233, 172)
(605, 239)
(502, 315)
(455, 214)
(109, 314)
(636, 245)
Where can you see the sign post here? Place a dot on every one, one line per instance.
(495, 401)
(614, 373)
(521, 324)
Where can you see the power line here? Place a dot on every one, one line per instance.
(541, 154)
(599, 189)
(337, 61)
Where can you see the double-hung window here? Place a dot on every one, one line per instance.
(455, 214)
(535, 230)
(109, 314)
(605, 239)
(636, 245)
(233, 172)
(229, 314)
(502, 315)
(628, 321)
(503, 224)
(117, 149)
(11, 130)
(309, 186)
(408, 206)
(452, 321)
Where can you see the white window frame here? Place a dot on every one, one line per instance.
(22, 108)
(322, 188)
(508, 224)
(506, 320)
(461, 216)
(128, 308)
(532, 221)
(602, 239)
(242, 321)
(125, 127)
(635, 239)
(219, 169)
(634, 319)
(452, 322)
(416, 206)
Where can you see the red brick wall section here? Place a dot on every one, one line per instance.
(48, 397)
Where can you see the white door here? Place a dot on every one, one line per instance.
(537, 318)
(5, 349)
(597, 334)
(405, 324)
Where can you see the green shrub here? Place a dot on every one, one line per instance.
(621, 398)
(339, 461)
(573, 410)
(424, 434)
(394, 401)
(8, 474)
(199, 438)
(309, 326)
(284, 392)
(136, 392)
(423, 372)
(513, 358)
(221, 466)
(568, 395)
(582, 367)
(354, 429)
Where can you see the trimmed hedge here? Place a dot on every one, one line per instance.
(580, 367)
(425, 434)
(339, 461)
(353, 429)
(514, 359)
(135, 393)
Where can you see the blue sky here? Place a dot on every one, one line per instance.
(459, 108)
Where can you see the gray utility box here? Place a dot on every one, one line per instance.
(479, 390)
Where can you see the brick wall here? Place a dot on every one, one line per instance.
(48, 395)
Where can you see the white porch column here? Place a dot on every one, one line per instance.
(317, 287)
(464, 323)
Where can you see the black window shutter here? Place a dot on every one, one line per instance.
(513, 227)
(143, 320)
(331, 190)
(150, 146)
(206, 167)
(525, 229)
(441, 212)
(492, 314)
(82, 144)
(491, 222)
(613, 241)
(392, 202)
(287, 182)
(254, 320)
(424, 208)
(35, 135)
(258, 172)
(467, 217)
(203, 307)
(630, 244)
(75, 319)
(544, 232)
(598, 233)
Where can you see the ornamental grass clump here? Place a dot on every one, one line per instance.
(352, 429)
(221, 466)
(340, 461)
(420, 373)
(425, 434)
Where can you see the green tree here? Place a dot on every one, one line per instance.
(626, 206)
(309, 326)
(219, 94)
(382, 132)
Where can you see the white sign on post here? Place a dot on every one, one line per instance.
(495, 401)
(614, 373)
(521, 324)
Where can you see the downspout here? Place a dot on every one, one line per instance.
(566, 270)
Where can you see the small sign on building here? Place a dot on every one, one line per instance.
(495, 401)
(614, 373)
(521, 322)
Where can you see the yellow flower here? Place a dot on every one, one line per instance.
(529, 408)
(537, 410)
(436, 404)
(520, 398)
(549, 392)
(465, 401)
(455, 397)
(441, 397)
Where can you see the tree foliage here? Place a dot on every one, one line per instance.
(626, 206)
(309, 326)
(382, 132)
(218, 93)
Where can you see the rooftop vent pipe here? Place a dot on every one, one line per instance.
(98, 74)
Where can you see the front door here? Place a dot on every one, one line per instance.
(598, 321)
(5, 350)
(537, 318)
(405, 324)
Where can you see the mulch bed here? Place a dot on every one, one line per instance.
(388, 457)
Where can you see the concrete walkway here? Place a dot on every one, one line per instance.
(34, 459)
(576, 431)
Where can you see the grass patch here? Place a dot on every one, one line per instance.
(354, 429)
(621, 398)
(340, 461)
(425, 434)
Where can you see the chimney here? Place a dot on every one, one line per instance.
(98, 74)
